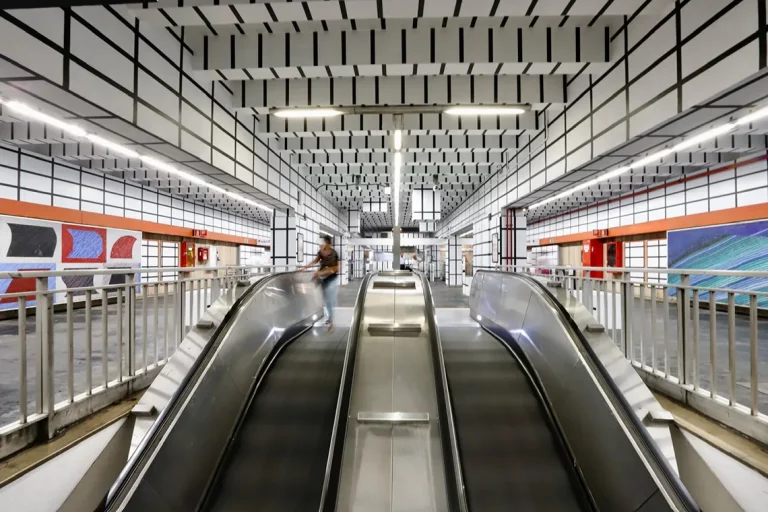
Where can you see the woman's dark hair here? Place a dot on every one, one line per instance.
(327, 239)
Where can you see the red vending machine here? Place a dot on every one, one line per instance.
(592, 256)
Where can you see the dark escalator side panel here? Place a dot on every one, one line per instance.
(278, 458)
(509, 454)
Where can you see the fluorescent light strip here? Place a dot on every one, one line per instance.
(485, 111)
(398, 140)
(28, 111)
(688, 143)
(117, 148)
(25, 110)
(295, 113)
(396, 186)
(465, 234)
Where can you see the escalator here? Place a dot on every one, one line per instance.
(510, 452)
(252, 423)
(277, 457)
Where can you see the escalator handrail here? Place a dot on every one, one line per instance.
(171, 408)
(454, 475)
(640, 434)
(341, 419)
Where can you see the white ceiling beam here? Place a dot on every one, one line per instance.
(181, 12)
(20, 133)
(262, 95)
(411, 143)
(384, 180)
(386, 170)
(266, 55)
(464, 157)
(362, 124)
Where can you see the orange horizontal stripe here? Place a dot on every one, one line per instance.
(696, 220)
(68, 215)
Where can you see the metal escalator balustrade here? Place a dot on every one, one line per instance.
(277, 455)
(511, 450)
(172, 466)
(621, 464)
(451, 454)
(330, 488)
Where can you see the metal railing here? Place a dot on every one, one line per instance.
(696, 330)
(88, 340)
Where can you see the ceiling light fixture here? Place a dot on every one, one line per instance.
(396, 184)
(36, 115)
(26, 110)
(465, 234)
(500, 110)
(654, 157)
(294, 113)
(398, 140)
(753, 116)
(112, 146)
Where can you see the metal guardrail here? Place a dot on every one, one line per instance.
(669, 329)
(105, 336)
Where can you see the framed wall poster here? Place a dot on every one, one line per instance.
(495, 248)
(300, 247)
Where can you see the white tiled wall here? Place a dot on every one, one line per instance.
(37, 179)
(746, 185)
(133, 80)
(634, 93)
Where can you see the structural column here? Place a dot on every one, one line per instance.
(455, 272)
(283, 237)
(514, 249)
(396, 248)
(359, 262)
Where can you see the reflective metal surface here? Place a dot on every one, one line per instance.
(201, 424)
(619, 472)
(393, 417)
(677, 354)
(390, 467)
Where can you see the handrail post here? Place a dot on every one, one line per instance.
(181, 291)
(130, 302)
(683, 352)
(44, 309)
(627, 300)
(586, 295)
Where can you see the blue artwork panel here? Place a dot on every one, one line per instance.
(739, 247)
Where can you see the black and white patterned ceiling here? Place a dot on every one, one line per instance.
(395, 54)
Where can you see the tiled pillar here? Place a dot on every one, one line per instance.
(396, 248)
(513, 225)
(455, 274)
(283, 237)
(343, 251)
(359, 262)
